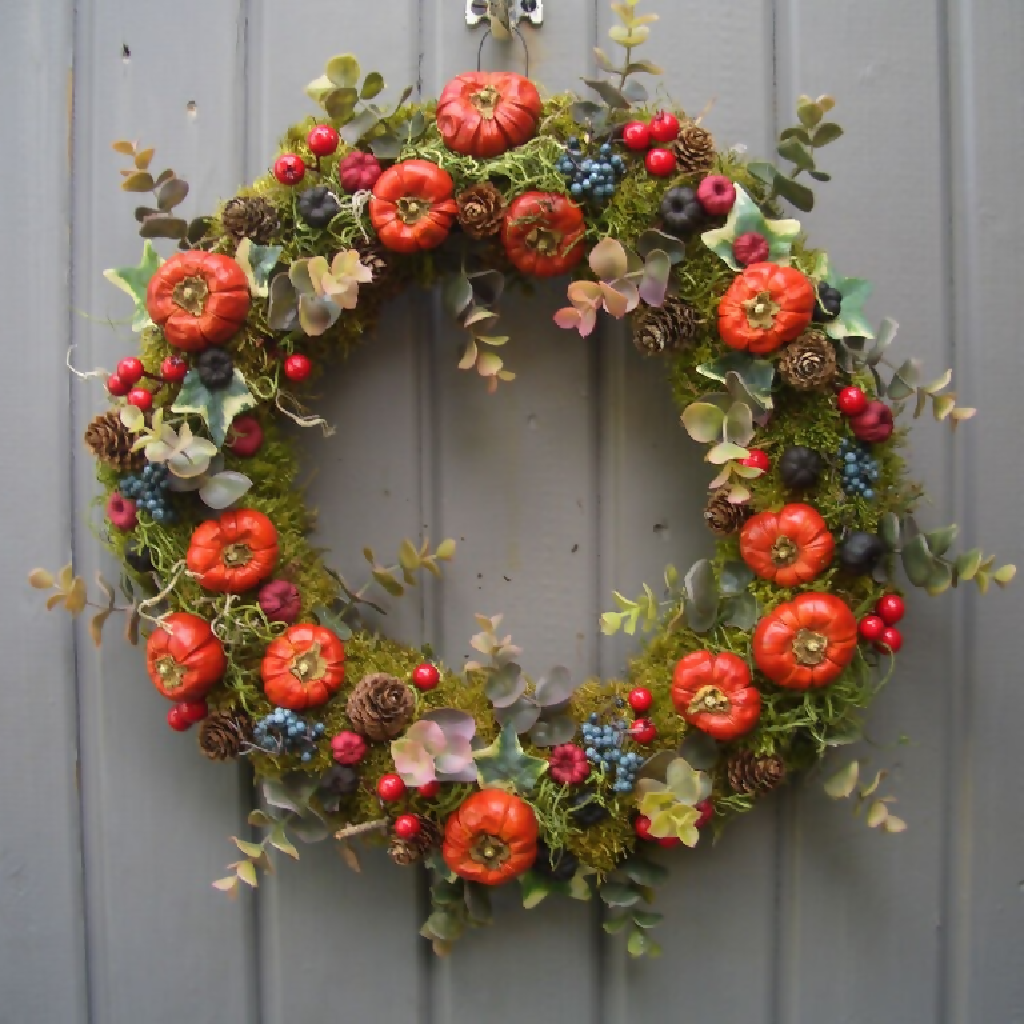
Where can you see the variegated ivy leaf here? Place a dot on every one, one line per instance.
(217, 408)
(851, 321)
(134, 281)
(505, 763)
(744, 218)
(257, 261)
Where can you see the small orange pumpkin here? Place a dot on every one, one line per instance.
(412, 206)
(806, 642)
(765, 306)
(303, 667)
(184, 658)
(233, 553)
(491, 838)
(713, 692)
(543, 233)
(790, 546)
(199, 299)
(484, 113)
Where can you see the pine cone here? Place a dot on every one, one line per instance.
(694, 148)
(480, 210)
(723, 516)
(373, 255)
(249, 217)
(749, 773)
(670, 327)
(380, 706)
(222, 734)
(409, 851)
(809, 363)
(110, 441)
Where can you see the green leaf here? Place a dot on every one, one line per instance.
(701, 596)
(764, 172)
(647, 918)
(799, 195)
(340, 104)
(615, 894)
(796, 153)
(246, 871)
(162, 225)
(754, 376)
(703, 421)
(257, 262)
(969, 563)
(1004, 574)
(505, 762)
(842, 784)
(217, 408)
(741, 612)
(734, 578)
(739, 424)
(889, 530)
(386, 147)
(635, 92)
(343, 70)
(363, 122)
(614, 925)
(135, 280)
(939, 540)
(809, 114)
(638, 944)
(940, 579)
(608, 93)
(798, 133)
(442, 924)
(918, 561)
(645, 67)
(745, 217)
(535, 889)
(478, 903)
(457, 294)
(820, 175)
(505, 685)
(138, 181)
(644, 872)
(171, 194)
(373, 85)
(554, 687)
(826, 132)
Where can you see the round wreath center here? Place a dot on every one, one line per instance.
(809, 647)
(491, 851)
(709, 698)
(191, 294)
(761, 311)
(486, 101)
(784, 551)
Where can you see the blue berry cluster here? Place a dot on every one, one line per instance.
(591, 179)
(149, 492)
(860, 469)
(604, 751)
(284, 732)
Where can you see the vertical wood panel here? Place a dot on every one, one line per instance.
(162, 945)
(858, 904)
(42, 951)
(330, 937)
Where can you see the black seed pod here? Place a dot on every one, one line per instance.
(586, 811)
(829, 304)
(859, 552)
(800, 467)
(558, 865)
(140, 559)
(215, 369)
(318, 206)
(681, 212)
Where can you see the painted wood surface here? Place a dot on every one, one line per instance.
(574, 481)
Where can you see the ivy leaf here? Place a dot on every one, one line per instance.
(257, 261)
(217, 408)
(135, 280)
(745, 217)
(505, 763)
(851, 319)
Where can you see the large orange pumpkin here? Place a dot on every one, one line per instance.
(806, 642)
(790, 546)
(412, 206)
(303, 667)
(184, 658)
(491, 838)
(199, 299)
(543, 233)
(233, 553)
(484, 113)
(765, 306)
(713, 692)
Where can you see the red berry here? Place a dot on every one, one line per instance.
(141, 399)
(664, 126)
(643, 730)
(669, 841)
(121, 512)
(390, 787)
(660, 162)
(640, 699)
(750, 247)
(636, 135)
(298, 367)
(173, 369)
(429, 789)
(642, 826)
(117, 387)
(871, 627)
(891, 640)
(707, 812)
(194, 710)
(245, 436)
(425, 676)
(757, 459)
(717, 194)
(890, 608)
(177, 719)
(348, 748)
(322, 140)
(289, 169)
(852, 401)
(407, 826)
(130, 370)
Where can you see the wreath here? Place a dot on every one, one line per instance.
(757, 660)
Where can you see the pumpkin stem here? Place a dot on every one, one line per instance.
(191, 294)
(709, 698)
(411, 209)
(309, 665)
(486, 101)
(784, 552)
(236, 556)
(490, 851)
(171, 672)
(544, 240)
(761, 311)
(810, 648)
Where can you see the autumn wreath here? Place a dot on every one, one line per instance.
(759, 658)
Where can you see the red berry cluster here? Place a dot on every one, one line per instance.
(184, 715)
(643, 730)
(289, 169)
(879, 628)
(122, 382)
(640, 135)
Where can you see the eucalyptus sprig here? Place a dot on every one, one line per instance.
(469, 297)
(72, 594)
(411, 559)
(843, 785)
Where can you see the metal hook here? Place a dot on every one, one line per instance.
(503, 17)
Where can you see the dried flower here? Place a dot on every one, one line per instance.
(568, 764)
(280, 601)
(348, 747)
(438, 746)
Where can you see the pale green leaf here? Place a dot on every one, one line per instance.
(841, 785)
(134, 281)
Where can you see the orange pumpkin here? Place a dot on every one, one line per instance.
(790, 546)
(491, 838)
(184, 658)
(713, 692)
(806, 642)
(233, 553)
(303, 667)
(412, 206)
(484, 113)
(765, 306)
(199, 299)
(543, 233)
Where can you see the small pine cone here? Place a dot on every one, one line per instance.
(110, 441)
(723, 516)
(409, 851)
(249, 217)
(694, 148)
(809, 363)
(222, 734)
(480, 210)
(749, 773)
(670, 327)
(380, 707)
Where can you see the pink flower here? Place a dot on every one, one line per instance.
(121, 512)
(280, 601)
(568, 764)
(348, 748)
(614, 291)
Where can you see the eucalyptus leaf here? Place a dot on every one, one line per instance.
(505, 685)
(799, 195)
(826, 132)
(171, 193)
(555, 687)
(161, 225)
(224, 489)
(615, 894)
(373, 85)
(797, 153)
(283, 306)
(360, 124)
(939, 540)
(550, 732)
(608, 93)
(635, 92)
(699, 750)
(764, 172)
(734, 578)
(918, 560)
(652, 239)
(741, 612)
(701, 596)
(456, 293)
(386, 147)
(343, 70)
(521, 715)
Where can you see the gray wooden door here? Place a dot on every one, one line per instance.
(574, 480)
